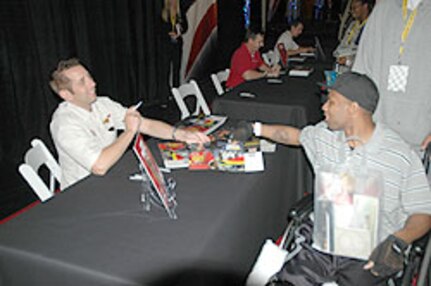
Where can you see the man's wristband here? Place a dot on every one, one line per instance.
(257, 129)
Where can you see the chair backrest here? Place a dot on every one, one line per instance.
(282, 52)
(218, 79)
(270, 58)
(190, 89)
(34, 158)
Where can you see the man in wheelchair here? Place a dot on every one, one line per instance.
(349, 133)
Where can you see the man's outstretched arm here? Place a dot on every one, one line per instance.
(279, 133)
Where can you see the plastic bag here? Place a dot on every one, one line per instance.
(347, 209)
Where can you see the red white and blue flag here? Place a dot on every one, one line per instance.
(202, 20)
(272, 9)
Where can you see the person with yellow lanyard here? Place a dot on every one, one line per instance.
(395, 51)
(175, 24)
(346, 50)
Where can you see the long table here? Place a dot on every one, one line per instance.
(294, 101)
(96, 232)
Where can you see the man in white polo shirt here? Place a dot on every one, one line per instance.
(406, 208)
(84, 126)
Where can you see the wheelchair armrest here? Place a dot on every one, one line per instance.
(301, 209)
(426, 158)
(419, 245)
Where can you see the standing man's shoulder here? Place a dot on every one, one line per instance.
(384, 10)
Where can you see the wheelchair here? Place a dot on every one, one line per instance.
(417, 269)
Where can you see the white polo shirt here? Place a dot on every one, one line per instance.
(80, 136)
(287, 40)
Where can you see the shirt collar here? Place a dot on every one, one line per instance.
(375, 142)
(412, 4)
(77, 108)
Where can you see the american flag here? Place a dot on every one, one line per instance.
(202, 19)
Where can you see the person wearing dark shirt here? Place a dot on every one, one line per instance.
(175, 24)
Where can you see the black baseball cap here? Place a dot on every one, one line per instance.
(358, 88)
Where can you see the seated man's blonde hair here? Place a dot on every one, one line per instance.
(58, 80)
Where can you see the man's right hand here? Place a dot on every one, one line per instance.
(388, 257)
(274, 71)
(132, 120)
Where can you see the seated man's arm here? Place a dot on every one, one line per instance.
(300, 50)
(273, 71)
(159, 129)
(263, 71)
(254, 74)
(112, 153)
(134, 122)
(388, 257)
(282, 134)
(415, 227)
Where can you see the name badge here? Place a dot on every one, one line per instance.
(397, 79)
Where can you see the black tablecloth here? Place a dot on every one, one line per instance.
(96, 233)
(295, 101)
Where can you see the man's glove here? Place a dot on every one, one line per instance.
(243, 131)
(388, 256)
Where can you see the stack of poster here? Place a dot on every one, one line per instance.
(222, 154)
(205, 124)
(301, 71)
(296, 59)
(174, 154)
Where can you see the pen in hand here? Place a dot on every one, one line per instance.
(137, 105)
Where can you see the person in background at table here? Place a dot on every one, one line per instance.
(287, 40)
(395, 51)
(175, 24)
(84, 126)
(406, 207)
(346, 50)
(247, 64)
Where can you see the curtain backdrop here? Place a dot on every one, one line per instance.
(121, 43)
(118, 40)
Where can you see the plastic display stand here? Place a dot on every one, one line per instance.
(156, 190)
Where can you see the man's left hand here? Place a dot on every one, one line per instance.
(388, 257)
(191, 137)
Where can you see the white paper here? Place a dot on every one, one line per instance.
(253, 162)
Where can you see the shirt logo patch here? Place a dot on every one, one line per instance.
(107, 119)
